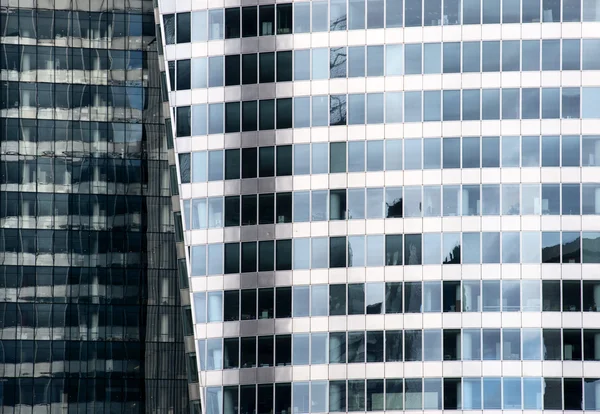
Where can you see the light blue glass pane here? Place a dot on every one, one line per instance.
(214, 351)
(215, 116)
(301, 206)
(186, 213)
(319, 252)
(215, 212)
(215, 165)
(356, 109)
(394, 60)
(301, 402)
(356, 61)
(319, 205)
(394, 111)
(302, 63)
(452, 199)
(374, 155)
(375, 250)
(532, 393)
(471, 391)
(320, 13)
(571, 100)
(452, 57)
(531, 249)
(199, 33)
(490, 104)
(471, 110)
(319, 301)
(200, 307)
(393, 154)
(215, 307)
(511, 55)
(531, 103)
(472, 57)
(471, 350)
(302, 253)
(318, 396)
(215, 71)
(432, 201)
(571, 56)
(531, 55)
(198, 260)
(199, 121)
(302, 112)
(215, 259)
(320, 63)
(591, 103)
(356, 251)
(512, 393)
(300, 351)
(412, 106)
(214, 400)
(511, 151)
(199, 166)
(432, 60)
(532, 347)
(301, 17)
(356, 203)
(412, 59)
(432, 345)
(199, 73)
(451, 105)
(432, 105)
(338, 15)
(375, 108)
(375, 61)
(432, 248)
(510, 103)
(301, 301)
(375, 203)
(301, 159)
(320, 111)
(432, 387)
(490, 246)
(356, 156)
(490, 56)
(320, 158)
(551, 54)
(471, 248)
(550, 103)
(215, 24)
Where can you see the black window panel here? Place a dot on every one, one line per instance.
(184, 167)
(249, 68)
(248, 304)
(231, 354)
(249, 21)
(337, 300)
(247, 360)
(393, 346)
(451, 393)
(232, 164)
(266, 256)
(231, 305)
(551, 295)
(232, 70)
(265, 352)
(266, 119)
(412, 297)
(283, 350)
(249, 260)
(232, 23)
(266, 208)
(249, 210)
(284, 66)
(553, 394)
(374, 346)
(571, 294)
(552, 344)
(284, 18)
(283, 260)
(283, 398)
(265, 303)
(393, 297)
(267, 20)
(572, 345)
(249, 162)
(183, 75)
(232, 211)
(573, 394)
(284, 113)
(183, 127)
(267, 67)
(284, 207)
(232, 258)
(232, 117)
(283, 302)
(266, 162)
(171, 66)
(284, 160)
(337, 253)
(183, 27)
(249, 118)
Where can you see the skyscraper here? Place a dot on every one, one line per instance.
(90, 317)
(390, 205)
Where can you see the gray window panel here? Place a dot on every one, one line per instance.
(413, 57)
(571, 99)
(571, 149)
(356, 61)
(319, 205)
(375, 14)
(375, 61)
(511, 104)
(337, 151)
(320, 158)
(491, 12)
(375, 108)
(551, 11)
(490, 247)
(471, 56)
(530, 151)
(337, 347)
(356, 156)
(490, 104)
(452, 200)
(531, 11)
(471, 109)
(375, 203)
(319, 253)
(412, 201)
(318, 348)
(511, 55)
(356, 251)
(432, 13)
(413, 348)
(432, 106)
(356, 109)
(431, 248)
(301, 301)
(432, 340)
(531, 55)
(452, 57)
(491, 56)
(413, 14)
(319, 300)
(375, 155)
(471, 152)
(301, 112)
(530, 98)
(550, 54)
(374, 250)
(356, 203)
(571, 56)
(511, 11)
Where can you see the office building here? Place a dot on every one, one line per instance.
(90, 318)
(389, 205)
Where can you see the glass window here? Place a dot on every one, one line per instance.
(432, 201)
(570, 199)
(531, 11)
(531, 103)
(471, 108)
(432, 59)
(511, 55)
(471, 247)
(550, 55)
(356, 156)
(590, 103)
(319, 205)
(215, 24)
(356, 251)
(413, 13)
(433, 10)
(510, 103)
(374, 202)
(571, 54)
(356, 61)
(301, 17)
(320, 158)
(375, 61)
(471, 56)
(491, 55)
(570, 150)
(491, 11)
(394, 63)
(432, 340)
(412, 57)
(431, 248)
(412, 249)
(356, 203)
(551, 11)
(198, 26)
(356, 109)
(432, 106)
(432, 295)
(319, 253)
(374, 155)
(471, 12)
(338, 15)
(412, 105)
(393, 202)
(412, 154)
(412, 201)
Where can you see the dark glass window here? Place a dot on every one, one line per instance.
(249, 21)
(232, 23)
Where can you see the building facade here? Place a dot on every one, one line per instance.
(389, 204)
(90, 316)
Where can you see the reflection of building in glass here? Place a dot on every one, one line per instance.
(89, 291)
(388, 205)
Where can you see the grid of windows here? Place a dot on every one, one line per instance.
(337, 158)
